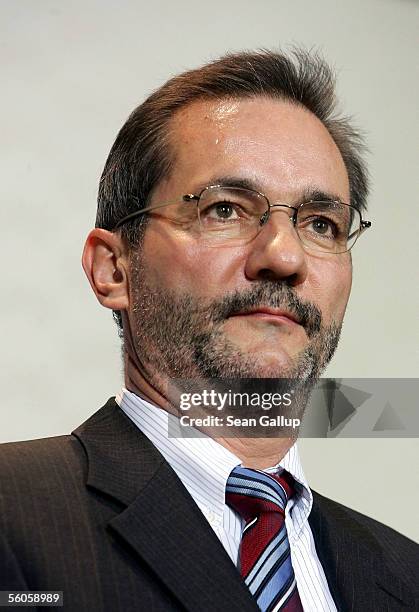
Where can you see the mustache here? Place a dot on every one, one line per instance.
(272, 294)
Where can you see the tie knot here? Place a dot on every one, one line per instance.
(253, 492)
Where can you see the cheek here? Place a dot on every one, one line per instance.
(182, 264)
(330, 281)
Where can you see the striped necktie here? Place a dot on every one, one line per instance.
(265, 559)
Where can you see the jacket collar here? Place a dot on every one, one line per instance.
(158, 519)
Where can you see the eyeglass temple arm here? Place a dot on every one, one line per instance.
(189, 197)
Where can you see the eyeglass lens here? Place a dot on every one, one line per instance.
(230, 215)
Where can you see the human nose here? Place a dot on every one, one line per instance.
(277, 252)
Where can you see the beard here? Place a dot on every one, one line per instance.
(180, 345)
(181, 335)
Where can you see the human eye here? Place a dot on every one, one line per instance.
(322, 226)
(222, 211)
(323, 221)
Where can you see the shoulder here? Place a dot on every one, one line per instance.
(40, 464)
(42, 493)
(376, 528)
(397, 549)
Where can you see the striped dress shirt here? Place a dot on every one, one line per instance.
(203, 465)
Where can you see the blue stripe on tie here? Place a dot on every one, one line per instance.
(282, 576)
(266, 564)
(281, 600)
(277, 540)
(241, 473)
(243, 490)
(255, 486)
(274, 487)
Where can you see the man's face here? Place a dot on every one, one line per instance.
(190, 302)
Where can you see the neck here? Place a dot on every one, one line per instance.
(255, 453)
(137, 383)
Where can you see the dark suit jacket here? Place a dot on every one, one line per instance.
(102, 516)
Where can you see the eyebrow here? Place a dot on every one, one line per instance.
(308, 194)
(312, 194)
(230, 181)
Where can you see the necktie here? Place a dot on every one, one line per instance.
(265, 559)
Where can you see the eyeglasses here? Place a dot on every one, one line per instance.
(227, 216)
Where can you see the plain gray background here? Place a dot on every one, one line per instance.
(71, 73)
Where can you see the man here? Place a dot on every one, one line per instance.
(226, 212)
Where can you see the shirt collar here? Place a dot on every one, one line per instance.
(202, 464)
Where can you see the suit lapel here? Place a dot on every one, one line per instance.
(352, 559)
(158, 519)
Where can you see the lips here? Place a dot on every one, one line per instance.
(262, 312)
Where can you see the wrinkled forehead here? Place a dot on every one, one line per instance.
(279, 144)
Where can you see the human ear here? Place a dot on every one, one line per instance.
(105, 264)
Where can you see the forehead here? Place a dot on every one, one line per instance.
(282, 147)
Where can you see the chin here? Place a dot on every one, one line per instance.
(273, 365)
